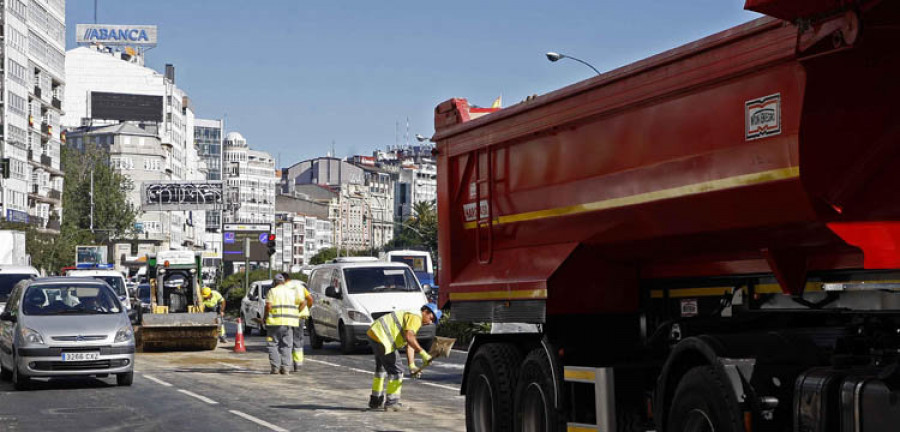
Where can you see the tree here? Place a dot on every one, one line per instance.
(419, 230)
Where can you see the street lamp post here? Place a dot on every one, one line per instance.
(554, 57)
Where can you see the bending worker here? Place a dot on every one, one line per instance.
(307, 301)
(387, 335)
(281, 315)
(214, 302)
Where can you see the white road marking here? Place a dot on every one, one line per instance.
(201, 397)
(439, 385)
(157, 380)
(230, 365)
(258, 421)
(324, 362)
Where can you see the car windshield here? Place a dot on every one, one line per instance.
(417, 263)
(60, 299)
(8, 281)
(144, 292)
(379, 279)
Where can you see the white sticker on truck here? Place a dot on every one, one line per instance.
(762, 117)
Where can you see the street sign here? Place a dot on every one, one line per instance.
(233, 236)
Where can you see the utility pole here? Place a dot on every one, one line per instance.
(92, 201)
(246, 264)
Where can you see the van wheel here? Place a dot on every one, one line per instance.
(535, 404)
(489, 388)
(703, 403)
(315, 342)
(247, 330)
(20, 382)
(347, 346)
(5, 374)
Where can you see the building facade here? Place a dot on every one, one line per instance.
(209, 136)
(33, 83)
(251, 179)
(143, 151)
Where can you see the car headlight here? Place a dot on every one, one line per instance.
(358, 316)
(32, 336)
(124, 334)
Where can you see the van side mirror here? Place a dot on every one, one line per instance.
(332, 292)
(7, 316)
(427, 289)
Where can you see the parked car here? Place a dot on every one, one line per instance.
(10, 275)
(350, 293)
(253, 305)
(65, 327)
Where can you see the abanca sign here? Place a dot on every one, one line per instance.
(132, 35)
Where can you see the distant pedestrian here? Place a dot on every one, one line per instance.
(387, 335)
(303, 293)
(281, 315)
(214, 302)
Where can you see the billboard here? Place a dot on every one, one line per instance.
(111, 34)
(233, 236)
(182, 195)
(91, 255)
(126, 107)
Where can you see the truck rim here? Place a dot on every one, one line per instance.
(534, 409)
(483, 404)
(698, 421)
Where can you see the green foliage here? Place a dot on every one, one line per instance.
(463, 332)
(419, 231)
(329, 254)
(232, 287)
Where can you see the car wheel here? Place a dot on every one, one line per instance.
(704, 403)
(125, 379)
(20, 382)
(347, 345)
(5, 374)
(315, 342)
(247, 330)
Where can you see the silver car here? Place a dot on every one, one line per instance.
(65, 327)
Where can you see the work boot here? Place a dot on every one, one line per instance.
(284, 371)
(274, 371)
(297, 367)
(396, 406)
(375, 401)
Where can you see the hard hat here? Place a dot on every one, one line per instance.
(206, 291)
(435, 310)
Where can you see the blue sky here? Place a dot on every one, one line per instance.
(292, 76)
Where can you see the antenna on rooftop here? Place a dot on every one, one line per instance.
(95, 11)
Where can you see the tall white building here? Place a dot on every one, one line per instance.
(251, 179)
(33, 83)
(168, 153)
(209, 137)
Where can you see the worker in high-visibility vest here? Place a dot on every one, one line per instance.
(281, 315)
(303, 293)
(387, 335)
(214, 302)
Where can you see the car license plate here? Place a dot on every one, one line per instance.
(80, 356)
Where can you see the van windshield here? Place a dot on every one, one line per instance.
(379, 279)
(8, 281)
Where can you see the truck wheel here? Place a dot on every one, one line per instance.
(315, 342)
(489, 388)
(535, 404)
(703, 403)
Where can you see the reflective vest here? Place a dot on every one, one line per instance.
(302, 293)
(284, 307)
(388, 330)
(214, 299)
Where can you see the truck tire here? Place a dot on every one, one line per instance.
(535, 401)
(315, 341)
(703, 403)
(490, 383)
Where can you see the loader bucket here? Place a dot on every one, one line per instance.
(178, 332)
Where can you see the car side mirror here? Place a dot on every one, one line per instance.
(252, 297)
(7, 316)
(332, 292)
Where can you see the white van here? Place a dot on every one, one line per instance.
(114, 279)
(350, 293)
(10, 275)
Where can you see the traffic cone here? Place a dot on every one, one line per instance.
(239, 338)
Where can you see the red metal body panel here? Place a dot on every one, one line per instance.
(659, 169)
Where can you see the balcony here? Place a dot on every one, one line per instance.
(55, 194)
(46, 161)
(56, 103)
(36, 221)
(53, 225)
(37, 91)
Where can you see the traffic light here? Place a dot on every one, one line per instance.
(271, 244)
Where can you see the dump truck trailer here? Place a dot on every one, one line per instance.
(176, 320)
(704, 240)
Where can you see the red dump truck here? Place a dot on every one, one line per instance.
(705, 240)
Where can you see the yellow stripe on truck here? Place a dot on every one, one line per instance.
(579, 375)
(691, 189)
(500, 295)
